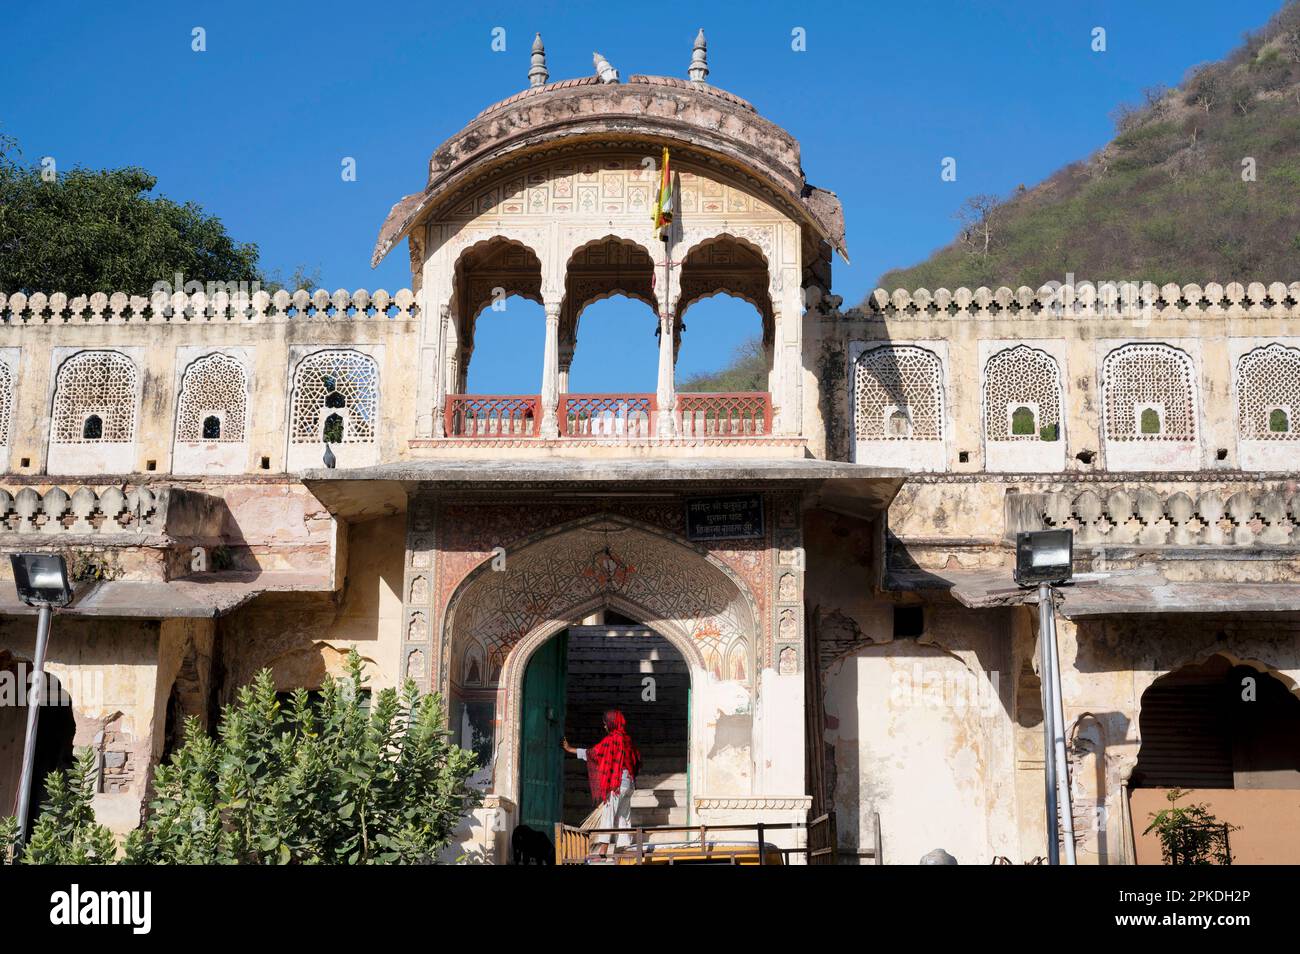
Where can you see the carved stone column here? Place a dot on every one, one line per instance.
(566, 361)
(551, 371)
(666, 391)
(440, 374)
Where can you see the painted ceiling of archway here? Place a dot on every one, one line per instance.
(546, 580)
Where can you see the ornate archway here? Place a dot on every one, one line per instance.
(556, 579)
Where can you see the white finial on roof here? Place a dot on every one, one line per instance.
(538, 75)
(699, 68)
(606, 72)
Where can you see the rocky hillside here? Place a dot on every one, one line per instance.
(1201, 182)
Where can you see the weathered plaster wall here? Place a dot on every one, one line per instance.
(1214, 339)
(1107, 664)
(920, 732)
(304, 636)
(111, 670)
(161, 349)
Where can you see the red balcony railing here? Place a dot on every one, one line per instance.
(492, 415)
(615, 416)
(725, 414)
(607, 415)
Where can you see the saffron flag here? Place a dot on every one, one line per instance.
(663, 215)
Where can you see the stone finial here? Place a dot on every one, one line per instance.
(606, 72)
(699, 68)
(538, 74)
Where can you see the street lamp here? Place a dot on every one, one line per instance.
(42, 581)
(1045, 558)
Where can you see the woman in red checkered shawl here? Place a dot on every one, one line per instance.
(612, 767)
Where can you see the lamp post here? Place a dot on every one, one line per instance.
(1045, 558)
(42, 581)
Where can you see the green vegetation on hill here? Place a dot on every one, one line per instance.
(747, 371)
(1201, 183)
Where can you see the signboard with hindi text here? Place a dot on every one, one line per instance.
(724, 518)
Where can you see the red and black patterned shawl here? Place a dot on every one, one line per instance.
(611, 756)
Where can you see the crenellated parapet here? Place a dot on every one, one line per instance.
(220, 306)
(1088, 300)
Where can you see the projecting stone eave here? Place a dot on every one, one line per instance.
(653, 111)
(363, 493)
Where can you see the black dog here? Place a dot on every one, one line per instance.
(530, 847)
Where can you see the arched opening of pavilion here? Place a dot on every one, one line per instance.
(496, 316)
(609, 336)
(725, 287)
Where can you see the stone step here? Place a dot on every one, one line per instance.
(663, 798)
(660, 816)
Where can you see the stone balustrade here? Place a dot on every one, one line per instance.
(236, 306)
(108, 511)
(1088, 300)
(1141, 516)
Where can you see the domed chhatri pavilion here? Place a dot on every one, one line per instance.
(801, 597)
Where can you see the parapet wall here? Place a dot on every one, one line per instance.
(221, 384)
(1086, 379)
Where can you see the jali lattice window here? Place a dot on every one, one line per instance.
(98, 384)
(214, 400)
(6, 401)
(1152, 378)
(1268, 394)
(1022, 395)
(898, 394)
(348, 380)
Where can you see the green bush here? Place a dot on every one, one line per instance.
(329, 778)
(1190, 835)
(66, 832)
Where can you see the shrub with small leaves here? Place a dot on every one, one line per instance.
(8, 839)
(326, 780)
(66, 832)
(1190, 835)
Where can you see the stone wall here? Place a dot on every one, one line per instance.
(1210, 365)
(152, 354)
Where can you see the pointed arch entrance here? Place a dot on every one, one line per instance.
(498, 619)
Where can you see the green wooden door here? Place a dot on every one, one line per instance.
(541, 764)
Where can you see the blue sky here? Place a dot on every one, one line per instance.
(254, 128)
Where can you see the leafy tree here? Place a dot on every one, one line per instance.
(84, 231)
(302, 276)
(1190, 835)
(66, 832)
(325, 780)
